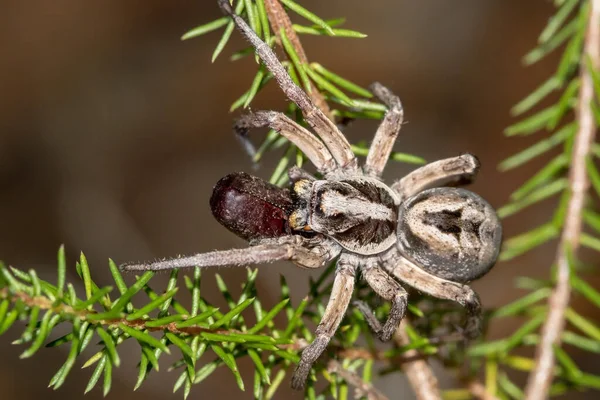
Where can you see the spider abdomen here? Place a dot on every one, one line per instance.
(250, 207)
(451, 233)
(360, 214)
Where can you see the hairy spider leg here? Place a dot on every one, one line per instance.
(407, 272)
(387, 132)
(335, 141)
(341, 293)
(301, 251)
(308, 143)
(388, 289)
(459, 170)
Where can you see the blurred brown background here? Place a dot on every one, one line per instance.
(113, 132)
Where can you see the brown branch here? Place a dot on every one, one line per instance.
(279, 20)
(418, 372)
(478, 390)
(541, 377)
(44, 303)
(363, 389)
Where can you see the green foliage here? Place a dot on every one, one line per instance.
(205, 338)
(559, 123)
(351, 100)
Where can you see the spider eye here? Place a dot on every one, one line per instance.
(452, 233)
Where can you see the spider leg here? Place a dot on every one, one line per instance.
(296, 173)
(389, 289)
(406, 271)
(326, 129)
(341, 293)
(314, 149)
(387, 132)
(459, 170)
(292, 248)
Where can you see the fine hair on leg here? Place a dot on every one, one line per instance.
(388, 289)
(341, 293)
(308, 143)
(293, 248)
(335, 141)
(411, 274)
(386, 134)
(453, 171)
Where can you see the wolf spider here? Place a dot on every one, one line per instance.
(432, 238)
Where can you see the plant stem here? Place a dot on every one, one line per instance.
(418, 372)
(279, 19)
(363, 389)
(541, 377)
(478, 390)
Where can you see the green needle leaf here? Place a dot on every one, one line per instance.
(98, 294)
(590, 241)
(228, 31)
(567, 363)
(181, 344)
(542, 177)
(264, 20)
(591, 218)
(532, 124)
(308, 15)
(230, 362)
(144, 337)
(581, 342)
(219, 337)
(557, 20)
(260, 367)
(62, 271)
(85, 275)
(107, 378)
(295, 58)
(586, 290)
(205, 28)
(41, 336)
(534, 197)
(95, 375)
(270, 315)
(341, 82)
(142, 372)
(546, 48)
(152, 305)
(522, 304)
(328, 86)
(198, 318)
(309, 30)
(111, 348)
(256, 84)
(59, 378)
(117, 277)
(536, 96)
(132, 291)
(584, 325)
(539, 148)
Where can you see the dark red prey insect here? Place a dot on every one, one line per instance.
(251, 208)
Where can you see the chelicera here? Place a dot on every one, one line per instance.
(420, 230)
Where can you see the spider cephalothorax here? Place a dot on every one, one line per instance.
(416, 231)
(359, 213)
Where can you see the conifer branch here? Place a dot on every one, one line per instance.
(419, 373)
(540, 379)
(280, 21)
